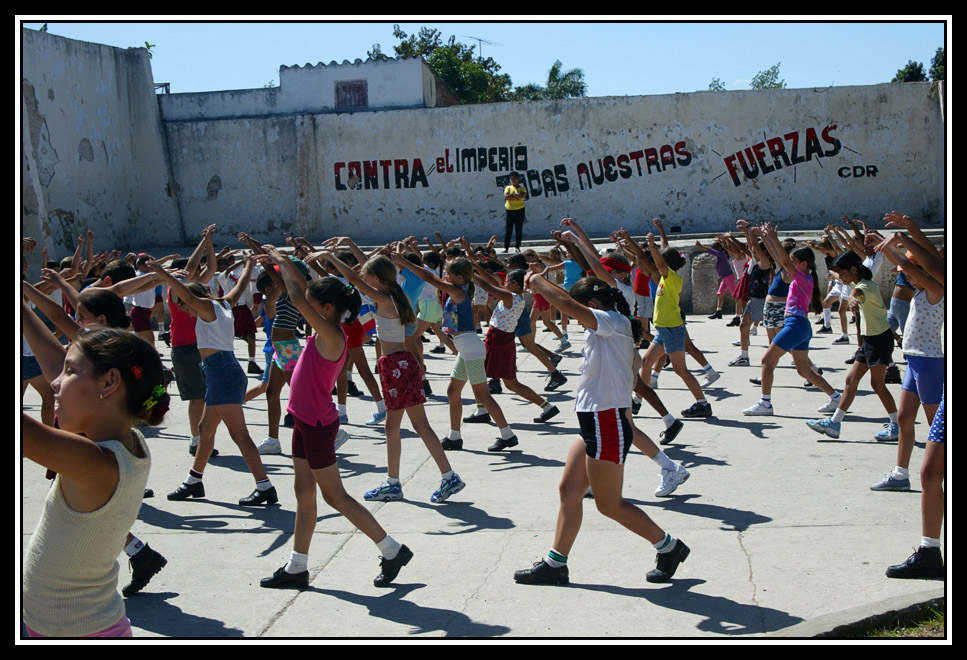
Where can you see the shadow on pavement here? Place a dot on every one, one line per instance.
(733, 520)
(150, 611)
(515, 458)
(755, 428)
(722, 616)
(469, 517)
(393, 607)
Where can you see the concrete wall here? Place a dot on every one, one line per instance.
(94, 154)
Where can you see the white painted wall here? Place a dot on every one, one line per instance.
(95, 156)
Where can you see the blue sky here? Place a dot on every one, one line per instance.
(618, 58)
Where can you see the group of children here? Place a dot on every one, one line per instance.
(110, 379)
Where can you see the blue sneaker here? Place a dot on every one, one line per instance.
(377, 418)
(448, 487)
(385, 492)
(891, 482)
(826, 425)
(889, 433)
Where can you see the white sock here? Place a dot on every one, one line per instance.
(298, 563)
(893, 417)
(192, 479)
(194, 440)
(835, 397)
(838, 415)
(827, 317)
(927, 542)
(446, 475)
(392, 481)
(135, 546)
(636, 398)
(901, 473)
(765, 400)
(664, 462)
(702, 400)
(669, 419)
(667, 544)
(744, 354)
(388, 547)
(349, 376)
(506, 433)
(341, 409)
(553, 559)
(454, 435)
(381, 406)
(263, 485)
(707, 368)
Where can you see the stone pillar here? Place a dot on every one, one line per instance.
(705, 284)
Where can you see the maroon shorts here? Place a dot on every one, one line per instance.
(141, 319)
(355, 333)
(316, 444)
(540, 303)
(244, 323)
(501, 359)
(401, 380)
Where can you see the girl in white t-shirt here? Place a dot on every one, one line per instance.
(602, 403)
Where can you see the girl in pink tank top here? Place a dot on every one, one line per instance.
(324, 304)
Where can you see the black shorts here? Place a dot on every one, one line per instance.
(607, 434)
(876, 350)
(186, 362)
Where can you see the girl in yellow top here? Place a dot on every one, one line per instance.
(670, 327)
(874, 355)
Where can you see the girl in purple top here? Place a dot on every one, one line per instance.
(723, 268)
(323, 304)
(794, 337)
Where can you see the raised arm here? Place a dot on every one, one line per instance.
(661, 231)
(771, 238)
(591, 257)
(203, 307)
(70, 293)
(572, 249)
(242, 284)
(456, 293)
(194, 260)
(48, 352)
(53, 311)
(482, 279)
(757, 252)
(561, 300)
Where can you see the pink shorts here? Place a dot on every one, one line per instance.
(727, 284)
(120, 629)
(401, 380)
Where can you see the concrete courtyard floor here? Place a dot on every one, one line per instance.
(781, 523)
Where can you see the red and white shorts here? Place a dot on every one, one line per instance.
(607, 434)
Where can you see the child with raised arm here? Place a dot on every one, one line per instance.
(399, 374)
(597, 457)
(325, 304)
(471, 353)
(759, 272)
(873, 355)
(225, 384)
(794, 338)
(112, 381)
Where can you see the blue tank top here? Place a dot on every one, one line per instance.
(901, 280)
(778, 288)
(458, 317)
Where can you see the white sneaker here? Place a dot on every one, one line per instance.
(737, 343)
(671, 480)
(270, 446)
(653, 383)
(830, 406)
(758, 409)
(710, 378)
(341, 436)
(753, 331)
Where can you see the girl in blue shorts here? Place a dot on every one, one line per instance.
(796, 332)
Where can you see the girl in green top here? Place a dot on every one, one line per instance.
(873, 355)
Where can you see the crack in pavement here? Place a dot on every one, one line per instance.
(469, 598)
(748, 558)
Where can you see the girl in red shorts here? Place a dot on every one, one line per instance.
(399, 373)
(316, 422)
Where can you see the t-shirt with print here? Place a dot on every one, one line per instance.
(800, 293)
(607, 376)
(668, 313)
(506, 319)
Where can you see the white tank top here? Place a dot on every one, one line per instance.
(220, 333)
(924, 337)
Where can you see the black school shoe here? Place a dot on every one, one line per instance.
(450, 445)
(352, 390)
(671, 432)
(477, 419)
(548, 412)
(187, 490)
(556, 359)
(502, 444)
(698, 410)
(288, 421)
(144, 566)
(923, 563)
(493, 386)
(283, 580)
(260, 497)
(192, 449)
(542, 573)
(668, 563)
(555, 380)
(893, 376)
(717, 314)
(439, 349)
(390, 568)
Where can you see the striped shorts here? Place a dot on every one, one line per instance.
(607, 434)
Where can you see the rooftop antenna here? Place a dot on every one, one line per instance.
(480, 43)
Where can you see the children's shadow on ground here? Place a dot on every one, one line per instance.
(516, 459)
(679, 453)
(422, 620)
(468, 517)
(152, 612)
(755, 428)
(733, 520)
(722, 616)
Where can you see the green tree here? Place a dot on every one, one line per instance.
(938, 65)
(768, 79)
(912, 72)
(716, 85)
(471, 79)
(567, 85)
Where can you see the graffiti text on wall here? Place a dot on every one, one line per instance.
(370, 174)
(610, 168)
(781, 151)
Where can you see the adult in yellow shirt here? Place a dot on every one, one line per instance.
(514, 196)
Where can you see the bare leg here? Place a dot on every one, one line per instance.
(422, 426)
(573, 486)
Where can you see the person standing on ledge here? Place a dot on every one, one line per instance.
(514, 196)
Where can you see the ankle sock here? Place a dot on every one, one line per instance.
(555, 559)
(135, 546)
(298, 563)
(388, 547)
(893, 417)
(667, 544)
(669, 419)
(838, 415)
(664, 462)
(263, 485)
(927, 542)
(194, 477)
(380, 406)
(506, 433)
(901, 473)
(392, 481)
(446, 475)
(194, 441)
(454, 435)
